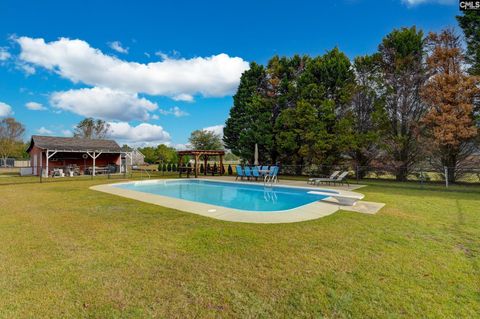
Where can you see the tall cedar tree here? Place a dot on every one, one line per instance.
(283, 75)
(449, 94)
(402, 54)
(368, 108)
(327, 85)
(251, 87)
(470, 24)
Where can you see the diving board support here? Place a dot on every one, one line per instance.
(343, 199)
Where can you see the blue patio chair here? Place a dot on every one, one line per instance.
(264, 168)
(248, 172)
(272, 176)
(255, 173)
(239, 172)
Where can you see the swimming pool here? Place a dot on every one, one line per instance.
(239, 196)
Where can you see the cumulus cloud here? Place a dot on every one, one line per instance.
(117, 46)
(217, 129)
(181, 78)
(25, 68)
(142, 134)
(44, 131)
(417, 2)
(104, 103)
(5, 110)
(4, 54)
(34, 106)
(175, 111)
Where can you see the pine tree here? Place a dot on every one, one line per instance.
(470, 24)
(402, 54)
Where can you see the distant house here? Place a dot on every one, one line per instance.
(133, 156)
(74, 156)
(137, 157)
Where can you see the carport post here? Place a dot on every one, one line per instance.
(47, 157)
(94, 157)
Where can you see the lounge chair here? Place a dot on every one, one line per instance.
(239, 172)
(339, 179)
(248, 172)
(342, 178)
(314, 180)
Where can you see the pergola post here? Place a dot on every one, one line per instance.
(196, 165)
(180, 165)
(94, 157)
(221, 164)
(205, 159)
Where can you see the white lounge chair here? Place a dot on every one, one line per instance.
(339, 179)
(315, 179)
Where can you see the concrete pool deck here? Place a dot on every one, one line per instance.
(303, 213)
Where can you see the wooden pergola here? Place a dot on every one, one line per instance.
(196, 154)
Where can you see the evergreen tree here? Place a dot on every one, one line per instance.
(368, 111)
(251, 84)
(470, 24)
(327, 85)
(403, 73)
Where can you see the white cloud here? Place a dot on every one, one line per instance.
(67, 133)
(183, 97)
(217, 129)
(26, 68)
(182, 147)
(5, 110)
(76, 60)
(34, 106)
(104, 103)
(117, 46)
(412, 3)
(175, 111)
(44, 131)
(142, 134)
(4, 54)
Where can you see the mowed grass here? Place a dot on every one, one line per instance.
(69, 252)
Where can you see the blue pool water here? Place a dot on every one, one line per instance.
(231, 195)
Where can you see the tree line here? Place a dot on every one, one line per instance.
(414, 101)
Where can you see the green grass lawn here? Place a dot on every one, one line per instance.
(67, 251)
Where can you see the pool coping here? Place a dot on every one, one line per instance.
(302, 213)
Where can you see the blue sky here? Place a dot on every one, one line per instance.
(158, 70)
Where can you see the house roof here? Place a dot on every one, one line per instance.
(73, 144)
